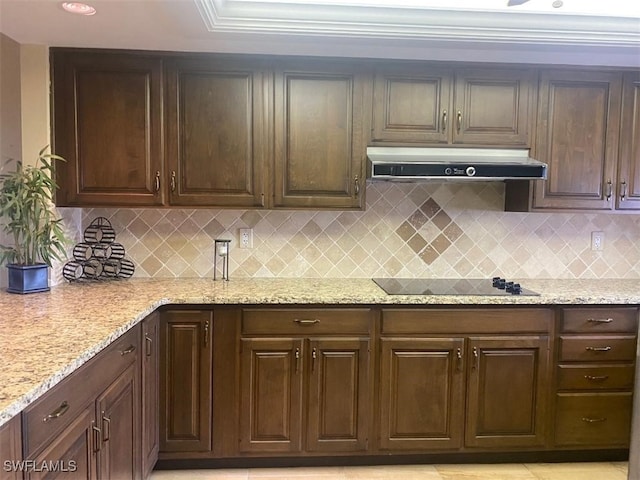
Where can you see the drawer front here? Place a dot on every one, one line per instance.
(585, 320)
(344, 321)
(441, 321)
(601, 377)
(56, 409)
(593, 419)
(597, 348)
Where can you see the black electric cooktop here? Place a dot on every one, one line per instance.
(452, 286)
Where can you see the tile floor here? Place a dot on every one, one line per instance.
(514, 471)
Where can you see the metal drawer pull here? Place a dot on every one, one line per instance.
(459, 356)
(157, 182)
(609, 190)
(600, 320)
(598, 349)
(594, 420)
(128, 350)
(297, 355)
(58, 412)
(459, 121)
(444, 121)
(97, 444)
(314, 355)
(306, 321)
(596, 378)
(106, 428)
(475, 358)
(147, 341)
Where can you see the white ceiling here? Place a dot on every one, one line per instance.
(586, 32)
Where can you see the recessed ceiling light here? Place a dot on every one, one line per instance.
(79, 8)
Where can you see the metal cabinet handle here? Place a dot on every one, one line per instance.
(444, 121)
(128, 350)
(459, 357)
(173, 180)
(148, 344)
(206, 333)
(97, 443)
(157, 182)
(596, 378)
(306, 321)
(314, 355)
(459, 121)
(106, 428)
(609, 190)
(58, 412)
(600, 320)
(597, 349)
(475, 358)
(297, 355)
(357, 186)
(262, 199)
(623, 193)
(594, 420)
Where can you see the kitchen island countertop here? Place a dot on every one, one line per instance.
(44, 337)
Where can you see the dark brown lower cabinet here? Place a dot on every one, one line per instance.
(10, 449)
(150, 441)
(186, 380)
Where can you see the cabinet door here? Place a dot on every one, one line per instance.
(339, 395)
(118, 413)
(150, 390)
(271, 395)
(321, 130)
(216, 134)
(412, 104)
(577, 136)
(107, 125)
(185, 381)
(10, 448)
(628, 192)
(492, 107)
(507, 392)
(74, 448)
(421, 393)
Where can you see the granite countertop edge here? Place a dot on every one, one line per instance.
(76, 306)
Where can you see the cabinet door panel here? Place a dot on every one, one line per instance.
(150, 391)
(506, 399)
(215, 133)
(412, 105)
(107, 124)
(628, 191)
(492, 107)
(271, 395)
(11, 447)
(185, 381)
(578, 121)
(73, 448)
(338, 395)
(421, 393)
(319, 138)
(118, 415)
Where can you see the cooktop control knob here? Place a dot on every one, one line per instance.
(470, 171)
(448, 171)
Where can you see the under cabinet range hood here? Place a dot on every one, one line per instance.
(414, 164)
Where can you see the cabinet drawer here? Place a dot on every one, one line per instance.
(597, 348)
(441, 321)
(593, 419)
(586, 377)
(585, 320)
(54, 411)
(342, 321)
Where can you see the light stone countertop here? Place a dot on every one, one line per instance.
(46, 336)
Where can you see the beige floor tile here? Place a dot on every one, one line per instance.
(296, 472)
(622, 466)
(221, 474)
(392, 472)
(505, 471)
(576, 471)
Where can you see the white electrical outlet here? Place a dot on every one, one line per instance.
(246, 237)
(597, 241)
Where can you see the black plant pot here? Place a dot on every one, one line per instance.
(28, 278)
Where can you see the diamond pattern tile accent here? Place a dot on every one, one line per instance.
(412, 230)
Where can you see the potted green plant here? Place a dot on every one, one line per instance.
(27, 216)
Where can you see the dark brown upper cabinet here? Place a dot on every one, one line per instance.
(437, 105)
(628, 192)
(107, 124)
(217, 143)
(577, 136)
(321, 130)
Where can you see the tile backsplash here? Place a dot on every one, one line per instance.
(451, 230)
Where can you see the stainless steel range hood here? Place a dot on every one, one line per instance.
(412, 164)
